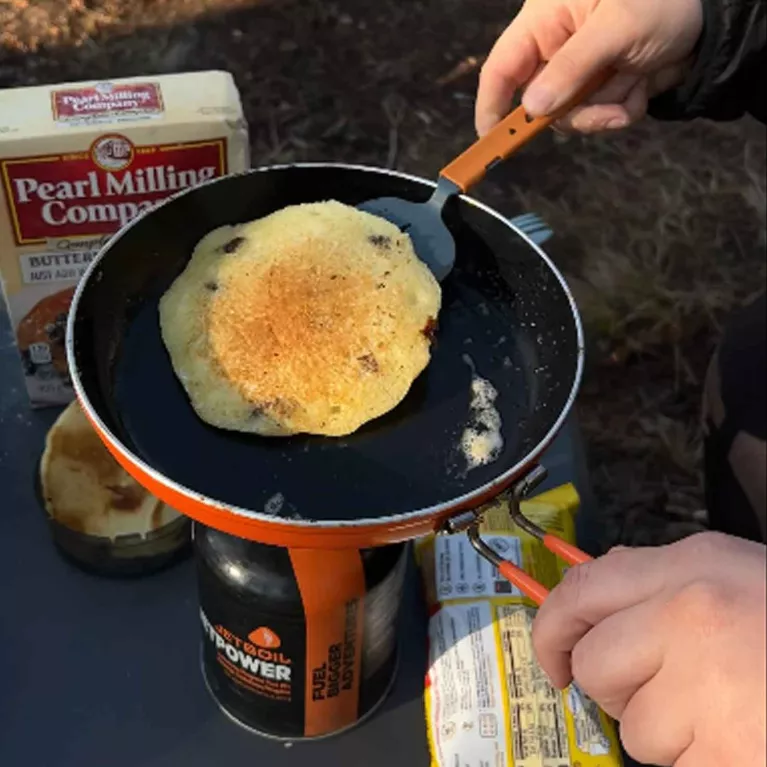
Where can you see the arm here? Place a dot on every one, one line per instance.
(725, 80)
(689, 58)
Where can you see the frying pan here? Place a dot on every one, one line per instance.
(507, 315)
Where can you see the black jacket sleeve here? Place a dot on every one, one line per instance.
(727, 78)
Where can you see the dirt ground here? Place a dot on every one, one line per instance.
(661, 230)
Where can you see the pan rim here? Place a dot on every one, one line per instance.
(498, 484)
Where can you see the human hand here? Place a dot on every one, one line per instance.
(558, 46)
(670, 641)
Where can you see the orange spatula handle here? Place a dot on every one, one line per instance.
(512, 133)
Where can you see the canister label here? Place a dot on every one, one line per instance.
(313, 668)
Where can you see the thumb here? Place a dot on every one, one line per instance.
(590, 51)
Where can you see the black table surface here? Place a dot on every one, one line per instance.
(98, 672)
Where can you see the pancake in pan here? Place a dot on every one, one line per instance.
(315, 319)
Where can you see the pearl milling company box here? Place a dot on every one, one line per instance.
(78, 161)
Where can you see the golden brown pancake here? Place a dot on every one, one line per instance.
(87, 490)
(315, 319)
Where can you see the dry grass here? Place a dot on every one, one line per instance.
(661, 229)
(664, 234)
(29, 26)
(673, 276)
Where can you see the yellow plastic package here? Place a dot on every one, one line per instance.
(487, 701)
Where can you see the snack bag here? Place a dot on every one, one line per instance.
(487, 701)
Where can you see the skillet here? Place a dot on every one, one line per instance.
(507, 316)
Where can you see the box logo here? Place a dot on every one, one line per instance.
(106, 100)
(93, 193)
(112, 152)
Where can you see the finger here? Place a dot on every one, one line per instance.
(694, 756)
(668, 77)
(615, 90)
(588, 594)
(608, 116)
(654, 726)
(513, 60)
(618, 656)
(594, 119)
(590, 51)
(609, 97)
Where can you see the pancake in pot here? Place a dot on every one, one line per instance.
(86, 490)
(315, 319)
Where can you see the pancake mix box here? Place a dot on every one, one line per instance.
(78, 161)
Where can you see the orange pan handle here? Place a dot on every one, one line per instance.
(564, 550)
(524, 582)
(515, 575)
(512, 133)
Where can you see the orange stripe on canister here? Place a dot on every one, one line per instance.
(334, 618)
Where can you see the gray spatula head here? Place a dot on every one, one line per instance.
(422, 221)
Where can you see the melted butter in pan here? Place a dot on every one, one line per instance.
(481, 441)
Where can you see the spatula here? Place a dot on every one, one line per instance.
(422, 221)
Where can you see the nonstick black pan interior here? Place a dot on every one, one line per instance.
(505, 312)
